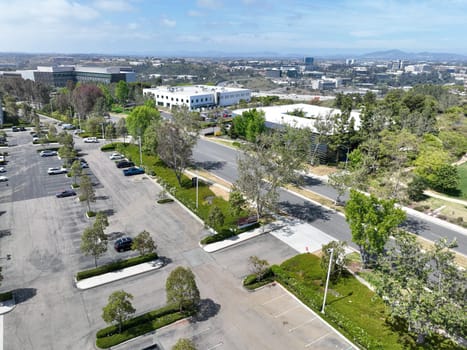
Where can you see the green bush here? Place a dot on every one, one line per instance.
(251, 281)
(91, 214)
(165, 200)
(139, 325)
(6, 296)
(227, 233)
(109, 147)
(117, 265)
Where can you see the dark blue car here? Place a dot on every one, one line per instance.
(133, 171)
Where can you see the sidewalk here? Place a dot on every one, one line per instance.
(109, 277)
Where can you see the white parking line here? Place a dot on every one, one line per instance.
(301, 325)
(1, 332)
(273, 299)
(314, 341)
(216, 346)
(284, 312)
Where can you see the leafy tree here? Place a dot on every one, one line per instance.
(181, 289)
(76, 170)
(122, 91)
(249, 125)
(175, 147)
(236, 201)
(65, 139)
(446, 178)
(340, 182)
(184, 344)
(415, 188)
(118, 309)
(101, 221)
(94, 243)
(110, 131)
(424, 288)
(143, 243)
(140, 118)
(258, 266)
(67, 153)
(52, 131)
(339, 259)
(323, 127)
(84, 97)
(121, 129)
(94, 125)
(215, 218)
(150, 137)
(87, 192)
(371, 222)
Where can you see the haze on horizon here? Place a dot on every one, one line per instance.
(246, 26)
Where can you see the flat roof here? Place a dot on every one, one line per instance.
(193, 90)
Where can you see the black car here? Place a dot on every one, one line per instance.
(123, 244)
(66, 193)
(125, 164)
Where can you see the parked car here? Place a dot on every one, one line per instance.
(66, 193)
(133, 171)
(22, 128)
(116, 156)
(78, 131)
(91, 140)
(55, 171)
(68, 127)
(125, 164)
(84, 165)
(2, 169)
(48, 153)
(123, 244)
(3, 178)
(14, 129)
(35, 139)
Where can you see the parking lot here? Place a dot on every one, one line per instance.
(44, 238)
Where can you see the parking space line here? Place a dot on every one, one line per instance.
(301, 325)
(314, 341)
(216, 346)
(273, 299)
(201, 332)
(284, 312)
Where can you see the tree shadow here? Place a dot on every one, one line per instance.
(305, 211)
(165, 260)
(108, 212)
(2, 212)
(309, 181)
(207, 309)
(24, 294)
(210, 165)
(413, 225)
(115, 235)
(340, 298)
(4, 233)
(102, 197)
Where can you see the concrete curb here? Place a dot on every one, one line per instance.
(7, 306)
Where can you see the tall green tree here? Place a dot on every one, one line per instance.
(371, 223)
(249, 125)
(339, 259)
(140, 118)
(121, 129)
(236, 201)
(76, 170)
(94, 243)
(144, 243)
(181, 289)
(118, 309)
(122, 91)
(87, 192)
(215, 218)
(101, 221)
(258, 267)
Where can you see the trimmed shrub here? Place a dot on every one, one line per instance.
(117, 265)
(227, 233)
(165, 200)
(109, 147)
(6, 296)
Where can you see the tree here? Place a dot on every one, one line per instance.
(118, 309)
(122, 91)
(258, 267)
(52, 132)
(416, 188)
(110, 131)
(76, 170)
(272, 161)
(236, 201)
(84, 96)
(101, 221)
(181, 289)
(94, 125)
(371, 222)
(175, 147)
(423, 288)
(215, 218)
(67, 153)
(94, 243)
(140, 118)
(150, 137)
(87, 192)
(249, 125)
(184, 344)
(144, 243)
(340, 182)
(339, 259)
(121, 129)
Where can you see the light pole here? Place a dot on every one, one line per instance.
(103, 132)
(140, 153)
(327, 279)
(196, 192)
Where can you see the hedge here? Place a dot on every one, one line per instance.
(251, 281)
(117, 265)
(109, 147)
(139, 325)
(226, 233)
(165, 200)
(6, 296)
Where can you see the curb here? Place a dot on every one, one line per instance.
(7, 306)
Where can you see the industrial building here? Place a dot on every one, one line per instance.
(197, 97)
(58, 76)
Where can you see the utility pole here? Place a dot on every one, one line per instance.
(327, 280)
(196, 192)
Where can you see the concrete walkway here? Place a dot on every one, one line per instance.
(95, 281)
(445, 198)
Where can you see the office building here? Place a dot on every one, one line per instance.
(309, 63)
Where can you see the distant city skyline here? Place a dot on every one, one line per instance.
(300, 27)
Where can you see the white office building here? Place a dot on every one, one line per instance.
(198, 96)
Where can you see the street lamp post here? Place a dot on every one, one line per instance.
(103, 132)
(140, 153)
(196, 192)
(327, 280)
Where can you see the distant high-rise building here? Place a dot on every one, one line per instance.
(309, 63)
(349, 61)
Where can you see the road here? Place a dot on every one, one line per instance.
(221, 161)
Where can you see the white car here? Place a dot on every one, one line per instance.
(3, 178)
(55, 171)
(48, 153)
(91, 140)
(2, 169)
(116, 156)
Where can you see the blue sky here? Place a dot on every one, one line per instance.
(309, 27)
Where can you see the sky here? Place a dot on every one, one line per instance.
(283, 27)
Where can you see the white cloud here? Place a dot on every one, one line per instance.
(194, 13)
(210, 4)
(168, 22)
(114, 5)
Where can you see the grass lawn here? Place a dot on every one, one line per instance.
(462, 169)
(351, 307)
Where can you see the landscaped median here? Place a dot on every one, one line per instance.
(139, 325)
(116, 270)
(186, 193)
(351, 308)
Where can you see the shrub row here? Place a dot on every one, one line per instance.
(227, 233)
(109, 147)
(6, 296)
(165, 200)
(251, 281)
(117, 265)
(139, 325)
